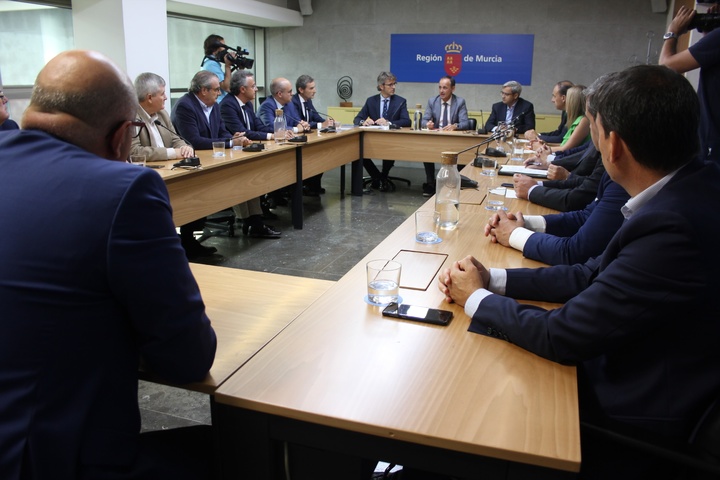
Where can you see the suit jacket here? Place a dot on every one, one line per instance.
(8, 125)
(144, 144)
(82, 306)
(314, 116)
(234, 120)
(575, 192)
(397, 111)
(267, 114)
(458, 112)
(191, 123)
(574, 237)
(499, 110)
(642, 319)
(556, 136)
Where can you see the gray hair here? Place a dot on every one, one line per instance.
(148, 84)
(383, 77)
(515, 87)
(201, 80)
(239, 79)
(302, 81)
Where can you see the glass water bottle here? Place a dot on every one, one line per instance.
(279, 126)
(447, 192)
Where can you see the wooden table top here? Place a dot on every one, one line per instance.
(247, 309)
(342, 364)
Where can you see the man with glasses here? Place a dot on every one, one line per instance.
(281, 94)
(384, 109)
(5, 122)
(104, 288)
(512, 109)
(157, 140)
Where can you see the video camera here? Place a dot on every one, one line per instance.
(238, 60)
(705, 22)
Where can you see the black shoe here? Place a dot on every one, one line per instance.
(260, 231)
(194, 249)
(428, 190)
(308, 192)
(386, 185)
(376, 182)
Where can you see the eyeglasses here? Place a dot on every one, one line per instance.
(394, 84)
(2, 96)
(506, 94)
(216, 90)
(139, 126)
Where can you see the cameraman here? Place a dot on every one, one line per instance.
(705, 54)
(214, 45)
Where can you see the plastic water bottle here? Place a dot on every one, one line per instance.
(279, 126)
(417, 118)
(447, 192)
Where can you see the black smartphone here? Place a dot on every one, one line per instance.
(508, 185)
(418, 314)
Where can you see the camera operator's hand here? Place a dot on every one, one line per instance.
(679, 24)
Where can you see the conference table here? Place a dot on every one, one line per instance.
(343, 378)
(247, 309)
(240, 176)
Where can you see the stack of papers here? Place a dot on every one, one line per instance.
(530, 172)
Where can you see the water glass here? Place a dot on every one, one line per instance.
(218, 149)
(488, 166)
(426, 226)
(496, 198)
(383, 281)
(138, 160)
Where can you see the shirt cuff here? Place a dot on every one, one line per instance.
(533, 188)
(536, 223)
(519, 237)
(171, 154)
(498, 280)
(269, 136)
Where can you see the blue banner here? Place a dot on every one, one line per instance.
(483, 59)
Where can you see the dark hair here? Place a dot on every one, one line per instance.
(564, 86)
(452, 80)
(654, 110)
(210, 44)
(303, 81)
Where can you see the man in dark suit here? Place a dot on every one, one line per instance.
(302, 101)
(563, 238)
(107, 288)
(158, 141)
(559, 95)
(383, 109)
(640, 321)
(237, 109)
(281, 99)
(5, 122)
(445, 111)
(512, 109)
(197, 117)
(574, 192)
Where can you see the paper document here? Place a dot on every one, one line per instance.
(530, 172)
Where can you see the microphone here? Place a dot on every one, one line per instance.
(518, 119)
(157, 122)
(482, 130)
(292, 118)
(326, 129)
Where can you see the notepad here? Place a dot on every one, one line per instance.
(530, 172)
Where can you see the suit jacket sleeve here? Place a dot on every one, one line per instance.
(462, 115)
(192, 125)
(528, 121)
(400, 116)
(495, 114)
(429, 113)
(364, 112)
(574, 237)
(164, 303)
(553, 194)
(266, 114)
(231, 115)
(141, 144)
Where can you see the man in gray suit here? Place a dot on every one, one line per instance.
(446, 111)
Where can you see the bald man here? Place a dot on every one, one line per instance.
(104, 287)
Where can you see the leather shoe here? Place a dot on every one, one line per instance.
(385, 185)
(194, 249)
(428, 189)
(308, 192)
(260, 231)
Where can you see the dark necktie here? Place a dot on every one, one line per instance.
(245, 117)
(444, 121)
(385, 107)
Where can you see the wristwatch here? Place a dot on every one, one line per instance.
(670, 35)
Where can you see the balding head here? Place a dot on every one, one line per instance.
(85, 99)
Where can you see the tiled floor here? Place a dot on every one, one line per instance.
(337, 233)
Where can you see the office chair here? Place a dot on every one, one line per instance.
(700, 456)
(473, 124)
(217, 224)
(368, 180)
